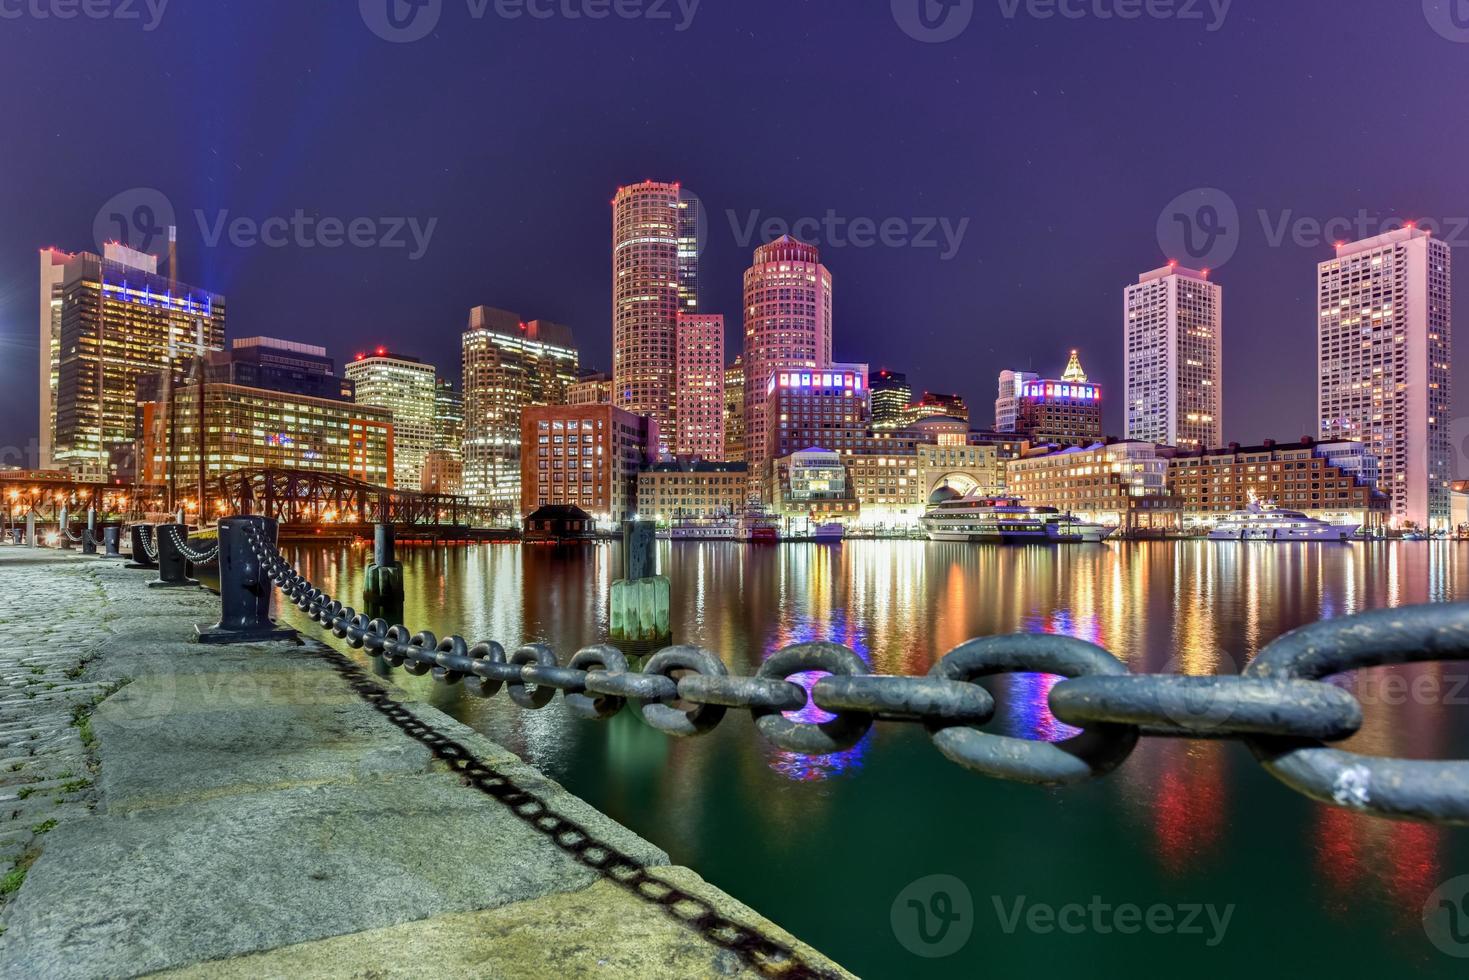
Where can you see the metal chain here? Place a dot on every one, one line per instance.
(1280, 707)
(194, 557)
(150, 548)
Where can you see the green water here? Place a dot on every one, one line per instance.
(827, 847)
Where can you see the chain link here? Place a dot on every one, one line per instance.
(1282, 707)
(181, 545)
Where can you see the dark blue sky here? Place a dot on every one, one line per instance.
(1060, 141)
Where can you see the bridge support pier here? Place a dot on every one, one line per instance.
(244, 589)
(173, 567)
(383, 586)
(141, 561)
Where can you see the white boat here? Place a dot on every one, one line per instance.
(1264, 521)
(1007, 520)
(831, 533)
(702, 529)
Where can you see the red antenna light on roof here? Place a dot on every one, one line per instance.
(382, 352)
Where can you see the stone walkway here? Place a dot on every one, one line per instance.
(242, 812)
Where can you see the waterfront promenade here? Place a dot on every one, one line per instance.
(246, 811)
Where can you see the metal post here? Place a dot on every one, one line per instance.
(63, 540)
(383, 583)
(31, 530)
(173, 567)
(244, 589)
(89, 536)
(111, 540)
(140, 549)
(639, 550)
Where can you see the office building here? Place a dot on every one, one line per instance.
(689, 488)
(812, 484)
(591, 388)
(443, 472)
(788, 326)
(1007, 405)
(826, 409)
(699, 402)
(1298, 476)
(891, 396)
(586, 456)
(448, 419)
(734, 411)
(106, 321)
(405, 386)
(1065, 411)
(282, 366)
(894, 487)
(1100, 484)
(509, 365)
(1383, 371)
(1173, 352)
(937, 403)
(654, 279)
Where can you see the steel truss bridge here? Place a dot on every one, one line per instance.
(320, 500)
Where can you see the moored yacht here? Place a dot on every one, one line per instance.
(1006, 520)
(1263, 521)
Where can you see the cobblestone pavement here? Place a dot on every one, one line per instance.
(47, 770)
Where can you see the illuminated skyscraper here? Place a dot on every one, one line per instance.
(699, 415)
(1173, 351)
(1064, 411)
(788, 324)
(1007, 405)
(891, 394)
(448, 419)
(139, 322)
(509, 365)
(654, 279)
(405, 387)
(734, 411)
(1384, 331)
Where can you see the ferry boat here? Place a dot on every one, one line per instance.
(831, 533)
(702, 529)
(1007, 520)
(1264, 521)
(759, 527)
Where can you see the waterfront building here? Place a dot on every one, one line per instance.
(1174, 357)
(254, 428)
(1383, 370)
(591, 388)
(509, 365)
(699, 403)
(654, 279)
(448, 419)
(1007, 404)
(893, 489)
(1297, 476)
(1098, 484)
(107, 321)
(812, 484)
(734, 411)
(443, 472)
(891, 396)
(689, 488)
(1065, 411)
(788, 326)
(405, 386)
(825, 409)
(588, 456)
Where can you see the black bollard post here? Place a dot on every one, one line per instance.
(383, 583)
(63, 532)
(173, 567)
(89, 536)
(31, 531)
(244, 589)
(111, 541)
(139, 534)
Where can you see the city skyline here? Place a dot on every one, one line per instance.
(527, 231)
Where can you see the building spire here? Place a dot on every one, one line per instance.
(1074, 374)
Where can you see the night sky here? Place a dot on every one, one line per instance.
(1056, 144)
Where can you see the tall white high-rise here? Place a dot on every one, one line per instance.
(1384, 330)
(405, 387)
(1007, 405)
(1173, 351)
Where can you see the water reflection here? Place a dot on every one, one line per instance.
(1192, 818)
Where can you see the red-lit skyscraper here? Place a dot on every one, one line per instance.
(699, 417)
